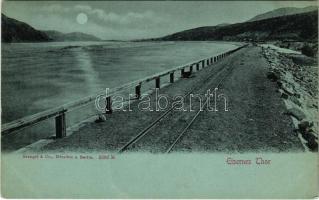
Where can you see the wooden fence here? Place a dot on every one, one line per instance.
(59, 113)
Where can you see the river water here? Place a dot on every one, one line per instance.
(39, 76)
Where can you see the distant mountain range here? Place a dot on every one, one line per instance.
(297, 27)
(283, 12)
(223, 24)
(281, 24)
(74, 36)
(17, 31)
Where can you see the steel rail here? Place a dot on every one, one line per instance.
(194, 118)
(148, 128)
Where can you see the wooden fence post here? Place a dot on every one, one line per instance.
(108, 106)
(157, 82)
(171, 77)
(197, 66)
(138, 90)
(60, 126)
(182, 72)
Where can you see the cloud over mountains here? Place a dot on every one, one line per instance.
(101, 23)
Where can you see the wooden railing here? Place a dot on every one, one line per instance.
(59, 113)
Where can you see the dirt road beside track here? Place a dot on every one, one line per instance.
(255, 120)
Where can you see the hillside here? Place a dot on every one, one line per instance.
(17, 31)
(299, 27)
(74, 36)
(283, 12)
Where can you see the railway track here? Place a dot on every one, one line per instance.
(146, 130)
(171, 147)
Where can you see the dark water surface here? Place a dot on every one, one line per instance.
(39, 76)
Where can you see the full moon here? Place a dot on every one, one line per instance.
(82, 18)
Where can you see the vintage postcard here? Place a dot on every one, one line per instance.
(159, 99)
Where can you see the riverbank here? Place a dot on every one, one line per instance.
(297, 78)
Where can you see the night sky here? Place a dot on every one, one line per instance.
(135, 20)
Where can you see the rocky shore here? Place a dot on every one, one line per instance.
(298, 46)
(296, 76)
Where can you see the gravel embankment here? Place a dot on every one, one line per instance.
(255, 121)
(297, 78)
